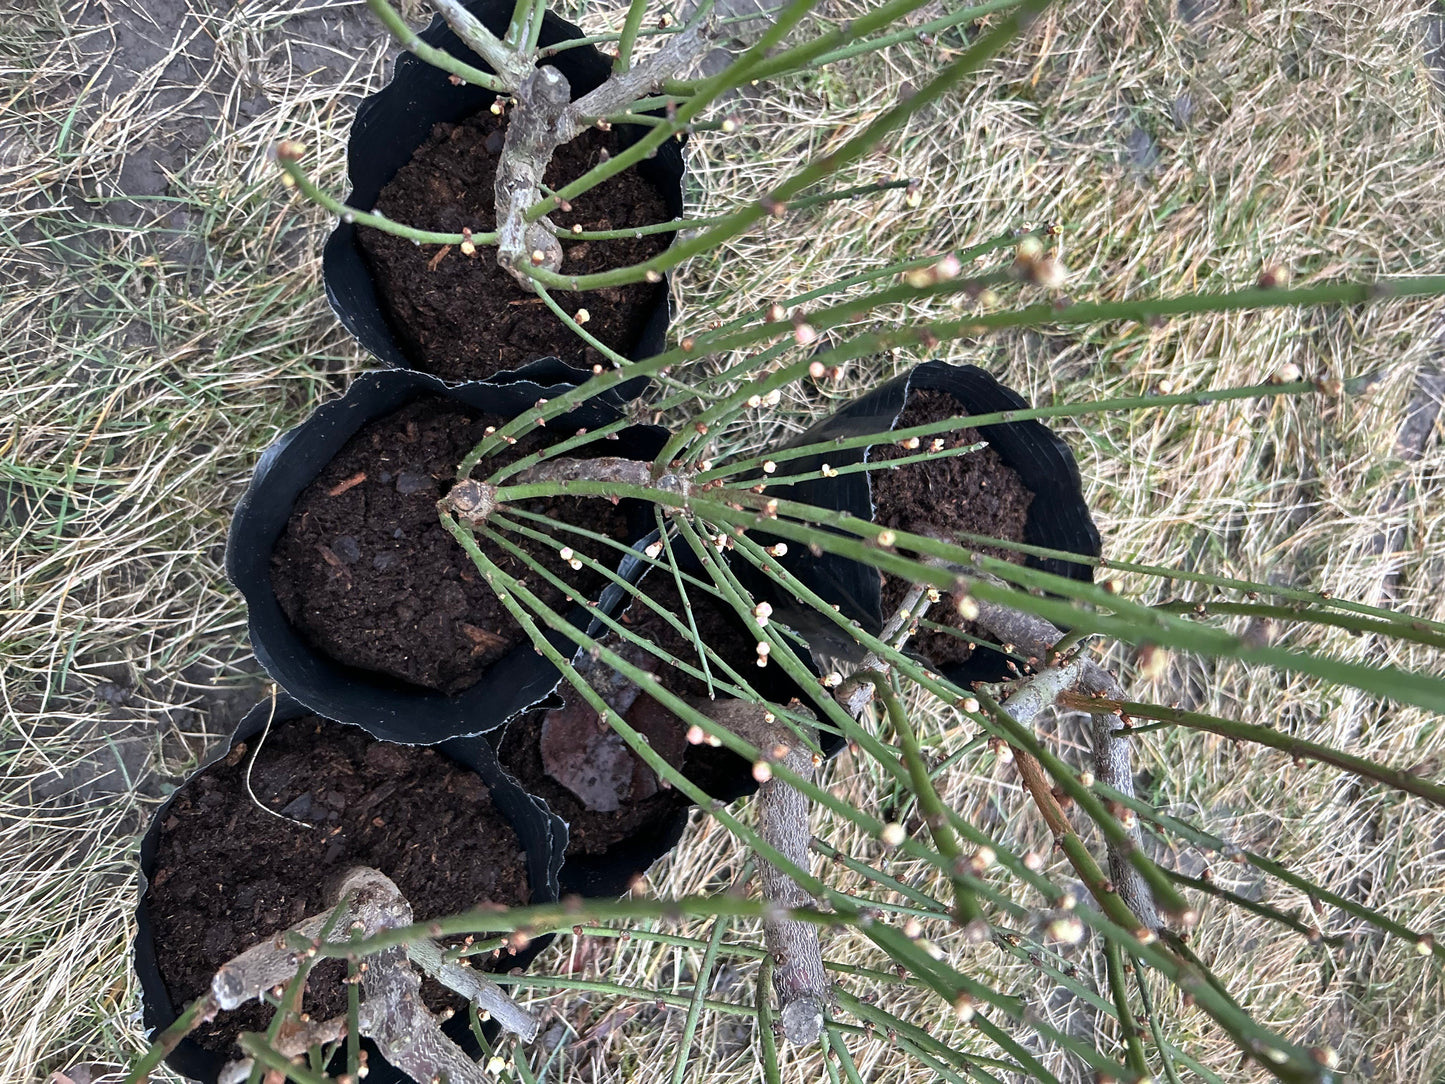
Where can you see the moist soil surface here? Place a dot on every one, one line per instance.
(974, 493)
(367, 573)
(715, 770)
(463, 317)
(229, 874)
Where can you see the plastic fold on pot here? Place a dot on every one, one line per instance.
(388, 707)
(1058, 517)
(542, 835)
(392, 123)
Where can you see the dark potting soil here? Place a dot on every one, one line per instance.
(366, 572)
(975, 493)
(463, 317)
(593, 831)
(229, 874)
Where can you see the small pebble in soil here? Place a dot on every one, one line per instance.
(411, 482)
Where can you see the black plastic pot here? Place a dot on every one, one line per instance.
(392, 123)
(611, 872)
(541, 834)
(388, 707)
(1058, 517)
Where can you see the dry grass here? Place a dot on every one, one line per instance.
(152, 350)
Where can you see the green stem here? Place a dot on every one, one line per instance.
(984, 49)
(647, 32)
(1081, 408)
(581, 332)
(868, 466)
(968, 1063)
(534, 28)
(1163, 890)
(934, 811)
(618, 989)
(268, 1059)
(353, 1016)
(1402, 627)
(699, 990)
(844, 1058)
(965, 258)
(1167, 1052)
(1270, 914)
(959, 634)
(751, 952)
(1128, 1026)
(1131, 622)
(1210, 842)
(551, 451)
(943, 22)
(409, 40)
(625, 41)
(698, 223)
(169, 1039)
(523, 11)
(767, 1041)
(677, 578)
(926, 903)
(346, 213)
(1408, 782)
(830, 1064)
(736, 686)
(732, 76)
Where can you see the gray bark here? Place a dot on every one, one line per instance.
(392, 1014)
(799, 978)
(1034, 638)
(532, 136)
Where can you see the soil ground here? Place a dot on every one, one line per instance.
(164, 321)
(976, 493)
(369, 575)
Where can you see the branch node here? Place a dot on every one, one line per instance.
(471, 501)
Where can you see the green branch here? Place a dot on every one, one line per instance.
(1298, 748)
(409, 40)
(1425, 942)
(375, 219)
(860, 145)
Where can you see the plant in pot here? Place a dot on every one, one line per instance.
(360, 605)
(993, 487)
(516, 193)
(302, 833)
(429, 157)
(977, 895)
